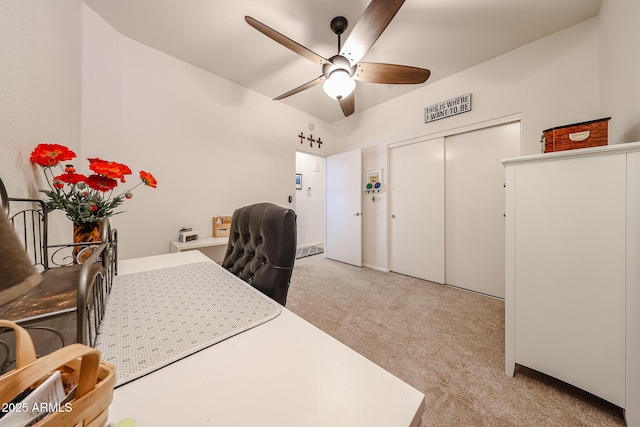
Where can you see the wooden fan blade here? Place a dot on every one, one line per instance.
(369, 27)
(285, 41)
(373, 72)
(348, 104)
(305, 86)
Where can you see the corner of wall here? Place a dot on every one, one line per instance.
(618, 65)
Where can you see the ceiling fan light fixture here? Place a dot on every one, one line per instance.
(339, 85)
(340, 72)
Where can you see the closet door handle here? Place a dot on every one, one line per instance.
(393, 216)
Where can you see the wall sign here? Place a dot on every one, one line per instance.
(452, 107)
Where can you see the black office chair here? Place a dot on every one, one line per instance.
(262, 248)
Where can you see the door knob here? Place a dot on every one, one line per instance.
(393, 216)
(357, 214)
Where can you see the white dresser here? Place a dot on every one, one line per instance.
(572, 296)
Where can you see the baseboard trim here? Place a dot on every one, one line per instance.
(308, 245)
(375, 267)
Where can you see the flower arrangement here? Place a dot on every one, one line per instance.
(84, 198)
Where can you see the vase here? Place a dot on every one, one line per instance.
(85, 232)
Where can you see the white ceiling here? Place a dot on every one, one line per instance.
(445, 36)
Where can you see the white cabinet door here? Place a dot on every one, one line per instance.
(417, 209)
(570, 271)
(475, 206)
(632, 413)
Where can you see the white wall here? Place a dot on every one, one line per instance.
(374, 211)
(238, 147)
(39, 88)
(551, 82)
(212, 145)
(619, 41)
(101, 87)
(310, 203)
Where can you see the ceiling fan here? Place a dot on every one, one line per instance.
(340, 72)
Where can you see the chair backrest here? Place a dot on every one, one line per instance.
(4, 198)
(262, 248)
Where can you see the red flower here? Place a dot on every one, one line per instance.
(82, 197)
(148, 179)
(112, 170)
(51, 154)
(101, 183)
(71, 178)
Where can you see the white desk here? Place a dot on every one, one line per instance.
(285, 372)
(203, 242)
(213, 247)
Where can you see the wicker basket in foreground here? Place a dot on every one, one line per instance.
(78, 364)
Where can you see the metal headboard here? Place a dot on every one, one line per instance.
(4, 198)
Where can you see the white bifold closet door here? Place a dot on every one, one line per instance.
(416, 196)
(475, 206)
(447, 204)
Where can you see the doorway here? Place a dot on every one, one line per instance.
(310, 201)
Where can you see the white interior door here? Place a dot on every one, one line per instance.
(475, 206)
(417, 210)
(344, 207)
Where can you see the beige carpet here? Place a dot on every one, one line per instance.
(445, 342)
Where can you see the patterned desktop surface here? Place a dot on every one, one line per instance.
(157, 317)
